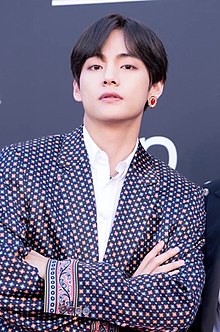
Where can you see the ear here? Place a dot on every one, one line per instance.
(76, 91)
(156, 89)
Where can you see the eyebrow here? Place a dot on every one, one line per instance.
(119, 56)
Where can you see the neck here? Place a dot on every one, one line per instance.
(117, 141)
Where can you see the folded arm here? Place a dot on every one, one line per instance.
(99, 291)
(163, 293)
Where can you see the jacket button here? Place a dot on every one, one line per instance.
(78, 311)
(86, 311)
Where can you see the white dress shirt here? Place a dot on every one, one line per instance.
(107, 189)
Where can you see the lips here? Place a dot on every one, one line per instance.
(110, 96)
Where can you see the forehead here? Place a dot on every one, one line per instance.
(115, 45)
(115, 40)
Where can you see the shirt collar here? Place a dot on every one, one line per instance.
(91, 147)
(97, 155)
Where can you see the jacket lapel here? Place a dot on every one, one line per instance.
(75, 182)
(138, 197)
(133, 216)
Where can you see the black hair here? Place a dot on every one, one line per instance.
(140, 41)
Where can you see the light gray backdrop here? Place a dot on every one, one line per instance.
(36, 82)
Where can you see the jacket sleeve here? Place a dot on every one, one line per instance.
(21, 288)
(160, 302)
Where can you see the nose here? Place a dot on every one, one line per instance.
(110, 82)
(110, 77)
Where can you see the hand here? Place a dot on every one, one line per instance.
(37, 260)
(152, 262)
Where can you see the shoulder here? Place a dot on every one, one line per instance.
(180, 194)
(29, 152)
(171, 177)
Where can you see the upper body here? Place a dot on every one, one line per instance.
(208, 317)
(44, 207)
(48, 206)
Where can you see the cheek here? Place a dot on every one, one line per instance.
(87, 85)
(88, 93)
(140, 99)
(140, 94)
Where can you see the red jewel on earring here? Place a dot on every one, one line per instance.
(152, 101)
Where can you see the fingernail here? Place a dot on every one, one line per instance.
(177, 249)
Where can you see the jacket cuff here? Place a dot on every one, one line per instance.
(61, 287)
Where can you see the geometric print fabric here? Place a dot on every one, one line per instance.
(47, 204)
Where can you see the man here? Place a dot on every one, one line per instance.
(102, 234)
(208, 317)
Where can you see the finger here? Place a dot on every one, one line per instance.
(172, 273)
(157, 261)
(169, 267)
(162, 258)
(153, 253)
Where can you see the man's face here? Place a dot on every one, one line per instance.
(114, 87)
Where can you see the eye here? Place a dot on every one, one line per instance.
(128, 67)
(95, 67)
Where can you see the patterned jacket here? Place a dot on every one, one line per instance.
(47, 204)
